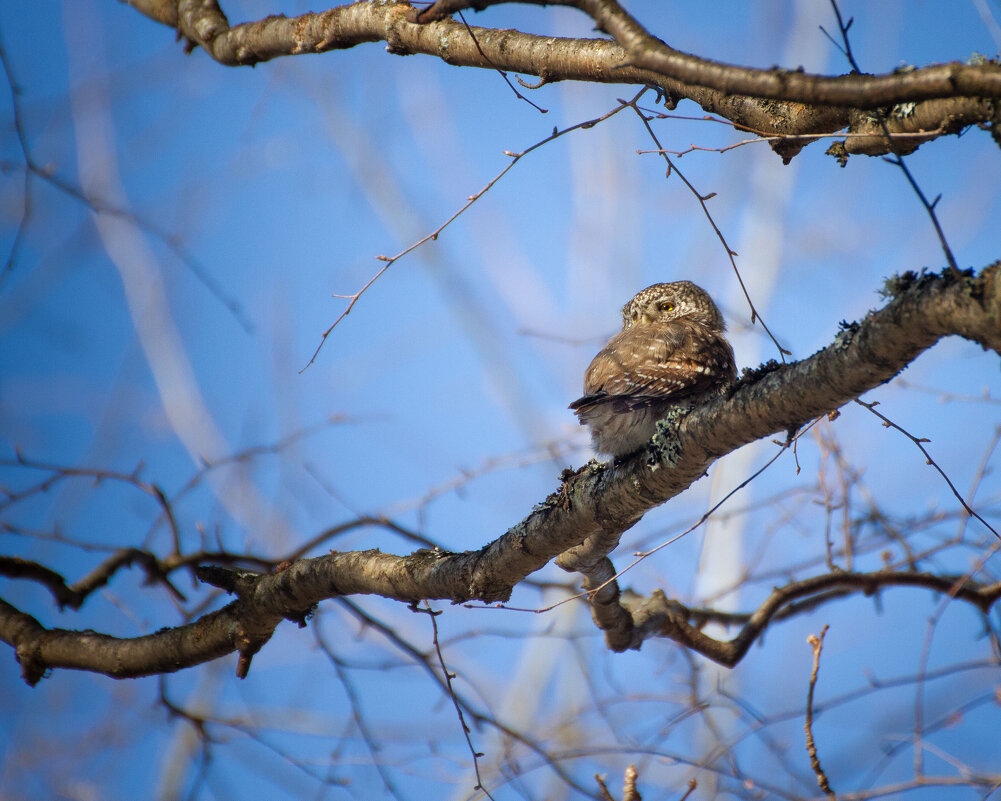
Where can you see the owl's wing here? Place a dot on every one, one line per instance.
(655, 363)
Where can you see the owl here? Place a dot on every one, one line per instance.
(670, 354)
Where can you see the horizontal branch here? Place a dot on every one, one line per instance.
(74, 595)
(771, 102)
(158, 570)
(858, 91)
(236, 627)
(658, 616)
(588, 513)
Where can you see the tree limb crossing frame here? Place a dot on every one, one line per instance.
(582, 522)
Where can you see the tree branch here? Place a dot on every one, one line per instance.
(595, 505)
(659, 616)
(73, 596)
(771, 102)
(856, 91)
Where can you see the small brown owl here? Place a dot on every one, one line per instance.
(670, 354)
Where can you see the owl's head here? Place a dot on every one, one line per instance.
(662, 303)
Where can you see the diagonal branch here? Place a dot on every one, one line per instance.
(594, 506)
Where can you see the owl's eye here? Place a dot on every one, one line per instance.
(636, 316)
(665, 307)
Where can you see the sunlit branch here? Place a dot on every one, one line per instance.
(599, 501)
(780, 101)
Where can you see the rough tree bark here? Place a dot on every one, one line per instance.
(917, 104)
(582, 521)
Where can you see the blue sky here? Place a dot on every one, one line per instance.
(441, 399)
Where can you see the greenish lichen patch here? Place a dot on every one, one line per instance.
(896, 285)
(664, 447)
(846, 335)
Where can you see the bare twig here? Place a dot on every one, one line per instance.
(390, 260)
(958, 586)
(356, 715)
(423, 660)
(22, 141)
(45, 173)
(919, 442)
(898, 158)
(606, 794)
(817, 644)
(432, 614)
(503, 74)
(702, 199)
(629, 790)
(63, 472)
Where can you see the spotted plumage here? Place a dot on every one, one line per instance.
(670, 354)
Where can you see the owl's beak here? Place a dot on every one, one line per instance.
(645, 317)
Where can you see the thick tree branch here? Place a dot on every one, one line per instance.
(940, 99)
(585, 518)
(857, 91)
(236, 627)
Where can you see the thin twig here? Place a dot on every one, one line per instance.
(811, 748)
(515, 158)
(919, 441)
(897, 159)
(730, 252)
(432, 614)
(356, 715)
(503, 74)
(63, 472)
(978, 477)
(629, 791)
(100, 206)
(22, 226)
(951, 595)
(692, 784)
(423, 661)
(605, 793)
